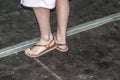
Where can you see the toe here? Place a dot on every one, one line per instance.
(27, 51)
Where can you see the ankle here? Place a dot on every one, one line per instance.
(60, 39)
(46, 38)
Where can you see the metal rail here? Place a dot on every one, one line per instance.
(70, 31)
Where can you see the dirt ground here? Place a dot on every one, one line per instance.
(93, 54)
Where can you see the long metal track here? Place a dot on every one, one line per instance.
(70, 31)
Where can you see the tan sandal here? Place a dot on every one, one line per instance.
(60, 49)
(48, 49)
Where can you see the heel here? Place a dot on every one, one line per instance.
(60, 49)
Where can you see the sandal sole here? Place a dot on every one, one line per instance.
(44, 52)
(62, 50)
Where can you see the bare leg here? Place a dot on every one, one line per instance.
(43, 18)
(62, 9)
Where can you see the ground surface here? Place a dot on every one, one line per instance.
(93, 54)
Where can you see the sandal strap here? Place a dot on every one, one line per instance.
(61, 44)
(45, 45)
(40, 45)
(50, 42)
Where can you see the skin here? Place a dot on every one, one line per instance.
(43, 18)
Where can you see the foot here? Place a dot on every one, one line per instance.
(36, 50)
(61, 45)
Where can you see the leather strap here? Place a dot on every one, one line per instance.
(61, 44)
(45, 45)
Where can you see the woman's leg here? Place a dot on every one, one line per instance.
(62, 10)
(43, 18)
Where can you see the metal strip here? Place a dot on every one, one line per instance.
(70, 31)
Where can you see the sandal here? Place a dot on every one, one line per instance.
(48, 49)
(60, 49)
